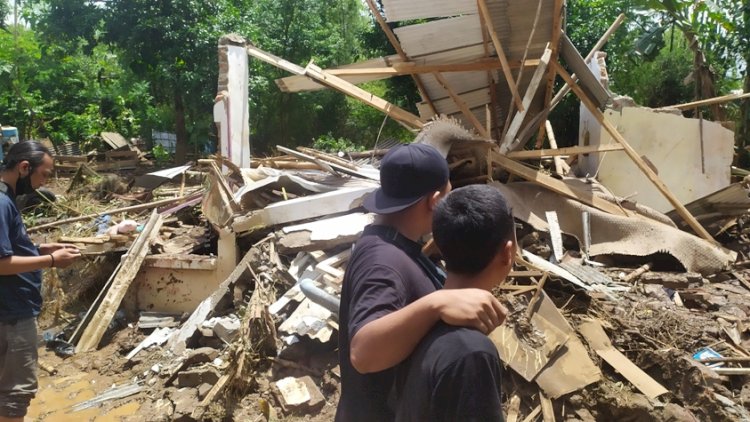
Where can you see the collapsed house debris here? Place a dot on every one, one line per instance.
(617, 311)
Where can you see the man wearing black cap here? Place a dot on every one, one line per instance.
(392, 294)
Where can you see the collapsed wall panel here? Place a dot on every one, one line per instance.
(691, 156)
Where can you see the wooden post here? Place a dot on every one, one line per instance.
(652, 176)
(512, 130)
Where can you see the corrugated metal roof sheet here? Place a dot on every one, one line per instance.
(397, 10)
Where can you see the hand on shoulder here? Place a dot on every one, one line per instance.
(475, 308)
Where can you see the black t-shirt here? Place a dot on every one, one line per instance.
(385, 273)
(453, 375)
(20, 294)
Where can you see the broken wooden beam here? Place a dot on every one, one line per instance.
(556, 185)
(594, 334)
(131, 264)
(509, 141)
(546, 153)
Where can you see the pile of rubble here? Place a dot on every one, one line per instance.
(605, 323)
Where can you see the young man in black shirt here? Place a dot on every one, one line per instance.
(454, 373)
(392, 294)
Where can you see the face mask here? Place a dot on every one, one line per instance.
(23, 186)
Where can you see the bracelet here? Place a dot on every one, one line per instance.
(53, 261)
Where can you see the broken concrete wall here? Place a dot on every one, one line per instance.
(178, 283)
(691, 156)
(231, 113)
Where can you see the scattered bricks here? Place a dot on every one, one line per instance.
(202, 355)
(299, 395)
(197, 376)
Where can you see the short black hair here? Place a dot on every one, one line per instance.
(31, 151)
(470, 226)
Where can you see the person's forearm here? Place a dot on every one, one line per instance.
(11, 265)
(386, 341)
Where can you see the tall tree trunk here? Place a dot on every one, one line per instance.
(742, 132)
(181, 148)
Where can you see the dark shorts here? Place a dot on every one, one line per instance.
(18, 363)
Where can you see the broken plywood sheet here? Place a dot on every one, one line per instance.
(517, 351)
(598, 340)
(612, 234)
(571, 369)
(671, 143)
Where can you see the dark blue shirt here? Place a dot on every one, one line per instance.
(20, 294)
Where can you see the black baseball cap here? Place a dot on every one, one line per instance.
(407, 174)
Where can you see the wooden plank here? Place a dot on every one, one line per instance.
(320, 161)
(462, 105)
(131, 264)
(533, 415)
(513, 408)
(275, 60)
(485, 13)
(557, 29)
(561, 167)
(548, 411)
(710, 101)
(397, 46)
(645, 168)
(594, 334)
(409, 120)
(121, 154)
(410, 68)
(296, 83)
(546, 153)
(510, 142)
(556, 185)
(72, 158)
